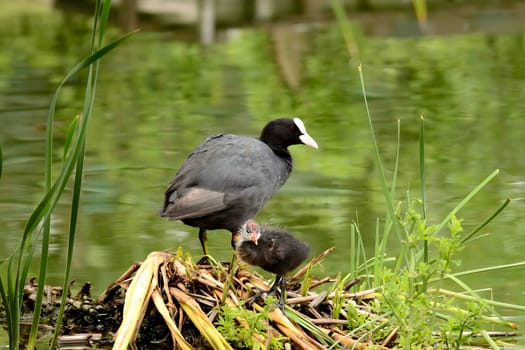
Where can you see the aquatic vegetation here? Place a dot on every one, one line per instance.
(38, 228)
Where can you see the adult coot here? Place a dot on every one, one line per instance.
(227, 180)
(273, 249)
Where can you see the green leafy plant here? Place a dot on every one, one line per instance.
(422, 312)
(243, 327)
(419, 312)
(37, 229)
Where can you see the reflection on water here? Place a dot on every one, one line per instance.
(157, 99)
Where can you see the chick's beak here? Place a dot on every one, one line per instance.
(254, 237)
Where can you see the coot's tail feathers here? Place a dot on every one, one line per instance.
(196, 203)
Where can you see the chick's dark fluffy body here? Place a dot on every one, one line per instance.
(277, 251)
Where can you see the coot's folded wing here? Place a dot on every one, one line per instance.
(197, 202)
(217, 170)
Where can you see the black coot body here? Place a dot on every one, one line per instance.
(227, 180)
(272, 248)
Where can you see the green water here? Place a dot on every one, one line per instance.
(158, 98)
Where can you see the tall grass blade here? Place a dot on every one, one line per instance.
(423, 180)
(53, 195)
(49, 201)
(12, 287)
(41, 282)
(390, 219)
(396, 165)
(379, 250)
(346, 30)
(88, 109)
(75, 201)
(486, 221)
(354, 260)
(378, 161)
(466, 200)
(422, 172)
(420, 9)
(1, 161)
(69, 136)
(106, 8)
(488, 268)
(27, 254)
(7, 289)
(462, 296)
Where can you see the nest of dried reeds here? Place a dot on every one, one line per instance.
(189, 300)
(170, 302)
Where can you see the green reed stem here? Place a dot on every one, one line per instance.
(12, 286)
(423, 179)
(1, 161)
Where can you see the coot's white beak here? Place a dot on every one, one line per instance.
(308, 140)
(305, 138)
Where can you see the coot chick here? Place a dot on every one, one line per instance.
(227, 180)
(273, 249)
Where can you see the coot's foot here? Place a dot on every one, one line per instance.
(260, 293)
(204, 260)
(280, 280)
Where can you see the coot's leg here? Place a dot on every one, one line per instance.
(278, 281)
(203, 237)
(269, 292)
(282, 297)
